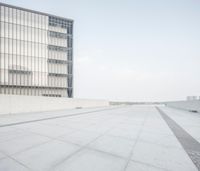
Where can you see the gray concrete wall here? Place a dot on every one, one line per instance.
(20, 104)
(193, 105)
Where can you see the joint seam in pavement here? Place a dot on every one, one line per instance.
(189, 144)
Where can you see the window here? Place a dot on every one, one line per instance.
(18, 16)
(6, 9)
(2, 13)
(57, 48)
(69, 68)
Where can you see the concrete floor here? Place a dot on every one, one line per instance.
(132, 138)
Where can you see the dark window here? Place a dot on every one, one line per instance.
(57, 75)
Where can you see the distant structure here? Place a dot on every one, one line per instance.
(36, 53)
(133, 103)
(189, 98)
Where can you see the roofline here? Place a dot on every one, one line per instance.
(33, 11)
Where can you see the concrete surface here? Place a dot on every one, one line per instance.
(10, 104)
(190, 144)
(191, 105)
(132, 138)
(189, 121)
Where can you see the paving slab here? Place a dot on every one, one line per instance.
(92, 161)
(80, 137)
(9, 164)
(45, 156)
(116, 138)
(135, 166)
(166, 158)
(114, 145)
(189, 144)
(189, 121)
(20, 144)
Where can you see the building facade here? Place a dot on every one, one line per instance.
(36, 53)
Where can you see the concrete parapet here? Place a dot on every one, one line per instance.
(192, 105)
(10, 104)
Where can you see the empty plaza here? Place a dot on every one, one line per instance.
(119, 138)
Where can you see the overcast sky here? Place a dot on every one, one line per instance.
(133, 50)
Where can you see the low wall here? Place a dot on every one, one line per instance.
(193, 105)
(20, 104)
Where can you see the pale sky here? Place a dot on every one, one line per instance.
(131, 50)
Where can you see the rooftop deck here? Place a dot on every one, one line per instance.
(123, 138)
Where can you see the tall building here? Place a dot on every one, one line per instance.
(36, 53)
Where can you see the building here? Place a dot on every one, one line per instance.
(189, 98)
(36, 53)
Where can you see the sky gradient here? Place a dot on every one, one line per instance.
(131, 50)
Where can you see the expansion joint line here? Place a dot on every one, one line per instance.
(55, 117)
(189, 144)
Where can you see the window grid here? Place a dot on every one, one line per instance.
(35, 59)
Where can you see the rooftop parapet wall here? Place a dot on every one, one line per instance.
(10, 104)
(192, 105)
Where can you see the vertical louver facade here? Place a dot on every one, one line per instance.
(36, 53)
